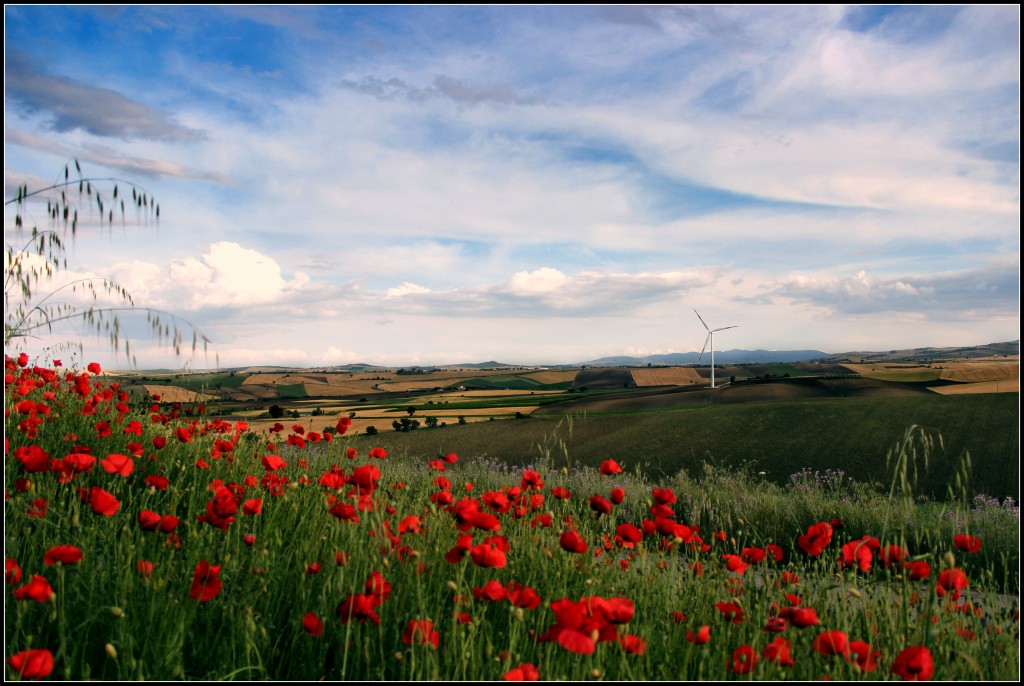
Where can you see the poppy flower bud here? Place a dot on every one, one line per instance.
(111, 651)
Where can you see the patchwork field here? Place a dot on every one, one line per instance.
(175, 394)
(666, 376)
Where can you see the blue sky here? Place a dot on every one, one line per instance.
(431, 185)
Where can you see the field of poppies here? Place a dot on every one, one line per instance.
(157, 542)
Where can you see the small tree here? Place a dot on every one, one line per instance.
(371, 430)
(276, 411)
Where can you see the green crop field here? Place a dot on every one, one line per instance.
(295, 390)
(851, 434)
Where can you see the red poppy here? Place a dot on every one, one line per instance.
(524, 672)
(103, 503)
(735, 564)
(832, 643)
(523, 596)
(451, 458)
(628, 533)
(918, 570)
(561, 493)
(732, 612)
(272, 463)
(574, 630)
(378, 587)
(253, 506)
(788, 579)
(914, 664)
(312, 624)
(743, 660)
(617, 496)
(145, 567)
(892, 554)
(954, 580)
(118, 464)
(633, 644)
(571, 541)
(103, 430)
(159, 442)
(531, 480)
(600, 505)
(12, 571)
(37, 589)
(968, 544)
(249, 540)
(183, 435)
(358, 606)
(699, 637)
(800, 617)
(487, 555)
(378, 453)
(94, 368)
(32, 664)
(37, 508)
(859, 553)
(206, 583)
(609, 467)
(779, 652)
(818, 536)
(863, 656)
(492, 590)
(65, 554)
(420, 632)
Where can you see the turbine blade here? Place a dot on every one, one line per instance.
(706, 339)
(700, 318)
(725, 327)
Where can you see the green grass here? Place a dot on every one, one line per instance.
(851, 434)
(907, 376)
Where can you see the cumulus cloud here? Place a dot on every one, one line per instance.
(225, 275)
(70, 105)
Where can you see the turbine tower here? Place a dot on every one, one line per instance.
(710, 339)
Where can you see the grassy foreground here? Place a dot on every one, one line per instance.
(157, 543)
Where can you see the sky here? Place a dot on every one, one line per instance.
(533, 185)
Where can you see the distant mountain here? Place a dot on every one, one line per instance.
(1008, 348)
(721, 357)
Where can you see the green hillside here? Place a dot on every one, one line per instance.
(851, 434)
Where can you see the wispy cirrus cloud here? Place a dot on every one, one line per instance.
(113, 159)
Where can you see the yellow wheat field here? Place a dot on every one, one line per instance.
(670, 376)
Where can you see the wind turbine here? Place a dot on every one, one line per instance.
(710, 339)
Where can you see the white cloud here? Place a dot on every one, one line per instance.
(225, 275)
